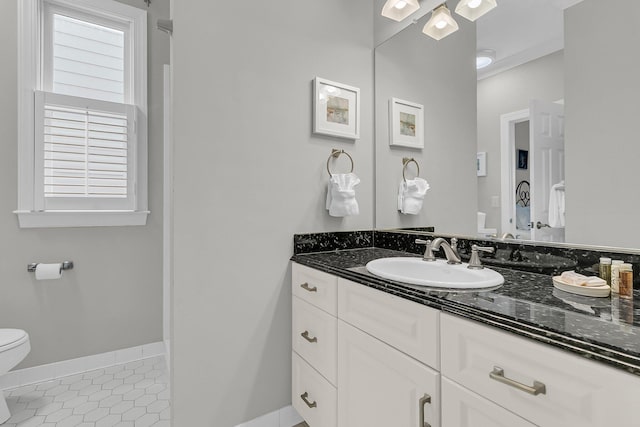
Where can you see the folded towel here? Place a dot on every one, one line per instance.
(411, 195)
(341, 197)
(557, 206)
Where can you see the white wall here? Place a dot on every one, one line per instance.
(248, 175)
(602, 109)
(504, 93)
(112, 299)
(441, 76)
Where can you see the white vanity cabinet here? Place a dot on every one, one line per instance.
(367, 358)
(362, 357)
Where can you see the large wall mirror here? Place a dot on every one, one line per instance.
(554, 117)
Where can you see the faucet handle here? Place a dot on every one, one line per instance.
(428, 252)
(474, 262)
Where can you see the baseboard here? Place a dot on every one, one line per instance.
(65, 368)
(283, 417)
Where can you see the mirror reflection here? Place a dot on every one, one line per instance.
(537, 145)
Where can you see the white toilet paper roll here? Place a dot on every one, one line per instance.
(48, 271)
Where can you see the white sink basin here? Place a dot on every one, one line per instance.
(436, 274)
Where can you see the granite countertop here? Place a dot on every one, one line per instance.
(602, 329)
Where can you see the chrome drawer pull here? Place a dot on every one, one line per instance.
(306, 287)
(304, 396)
(305, 335)
(498, 375)
(423, 401)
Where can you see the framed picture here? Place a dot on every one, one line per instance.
(523, 159)
(481, 163)
(336, 109)
(406, 123)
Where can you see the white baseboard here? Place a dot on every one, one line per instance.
(65, 368)
(283, 417)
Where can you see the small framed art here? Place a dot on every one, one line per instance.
(336, 109)
(406, 123)
(523, 159)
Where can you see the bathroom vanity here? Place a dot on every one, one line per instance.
(370, 352)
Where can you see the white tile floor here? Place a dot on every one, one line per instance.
(134, 394)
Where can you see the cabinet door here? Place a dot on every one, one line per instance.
(464, 408)
(546, 386)
(378, 386)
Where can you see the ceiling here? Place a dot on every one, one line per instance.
(520, 31)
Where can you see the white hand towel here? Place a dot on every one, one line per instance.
(341, 196)
(557, 206)
(411, 195)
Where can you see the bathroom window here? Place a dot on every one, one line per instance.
(82, 114)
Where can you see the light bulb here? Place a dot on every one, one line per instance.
(441, 24)
(474, 3)
(401, 4)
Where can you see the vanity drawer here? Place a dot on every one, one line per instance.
(464, 408)
(408, 326)
(315, 337)
(312, 396)
(315, 287)
(577, 392)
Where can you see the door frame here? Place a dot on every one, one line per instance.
(508, 123)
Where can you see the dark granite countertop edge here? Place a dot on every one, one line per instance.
(564, 342)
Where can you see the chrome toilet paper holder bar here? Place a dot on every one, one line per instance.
(66, 265)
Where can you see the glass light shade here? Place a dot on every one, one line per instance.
(394, 9)
(474, 9)
(441, 23)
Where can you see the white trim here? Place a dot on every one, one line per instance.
(507, 168)
(167, 212)
(283, 417)
(28, 79)
(65, 368)
(56, 219)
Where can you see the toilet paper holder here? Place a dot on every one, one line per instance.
(66, 265)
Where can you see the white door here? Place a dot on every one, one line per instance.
(546, 158)
(381, 387)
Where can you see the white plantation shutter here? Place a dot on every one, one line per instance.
(85, 159)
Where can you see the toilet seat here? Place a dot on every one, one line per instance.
(10, 338)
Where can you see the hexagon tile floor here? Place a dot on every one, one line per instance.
(134, 394)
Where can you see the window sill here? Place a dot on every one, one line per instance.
(58, 219)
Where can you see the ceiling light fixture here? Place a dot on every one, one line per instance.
(399, 9)
(484, 58)
(474, 9)
(441, 23)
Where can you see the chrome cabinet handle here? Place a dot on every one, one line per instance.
(423, 401)
(304, 396)
(305, 335)
(540, 225)
(498, 375)
(306, 287)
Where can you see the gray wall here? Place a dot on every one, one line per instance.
(113, 297)
(602, 111)
(248, 175)
(504, 93)
(441, 76)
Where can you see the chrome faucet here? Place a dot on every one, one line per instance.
(507, 236)
(450, 250)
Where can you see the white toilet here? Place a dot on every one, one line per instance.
(14, 347)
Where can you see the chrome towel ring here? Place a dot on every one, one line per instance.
(335, 154)
(405, 163)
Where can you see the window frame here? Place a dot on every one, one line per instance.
(31, 63)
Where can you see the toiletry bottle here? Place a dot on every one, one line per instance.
(605, 269)
(615, 275)
(626, 281)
